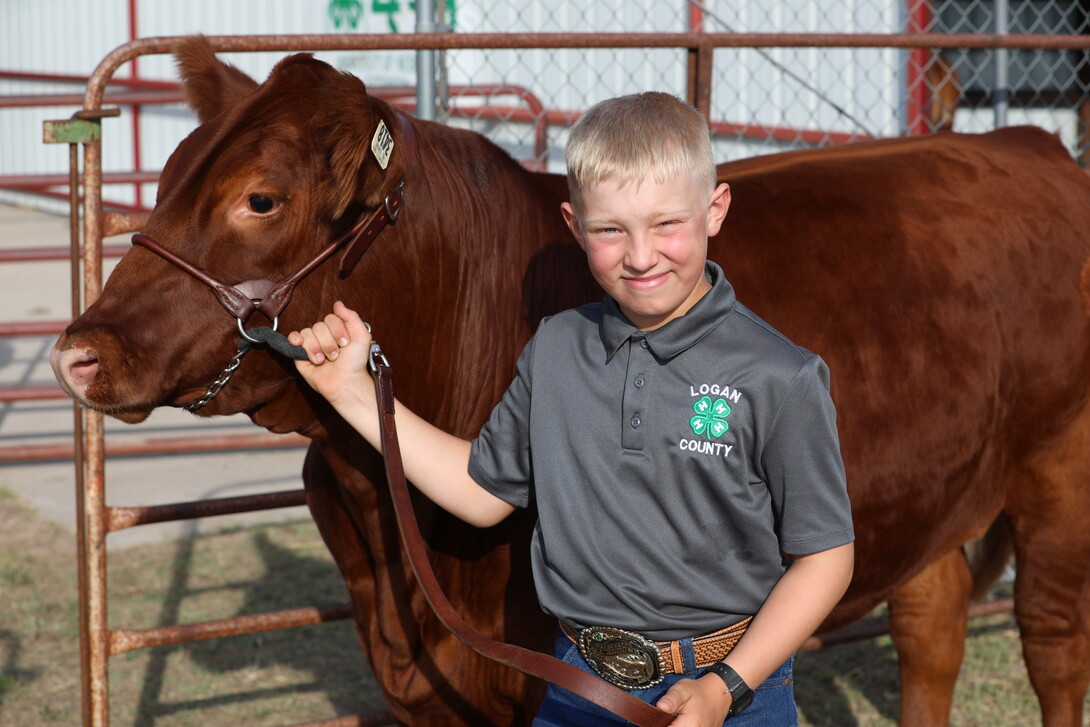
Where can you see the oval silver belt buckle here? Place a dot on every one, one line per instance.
(624, 659)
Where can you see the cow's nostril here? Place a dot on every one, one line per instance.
(78, 368)
(85, 366)
(86, 356)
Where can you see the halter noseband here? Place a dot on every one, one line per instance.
(269, 297)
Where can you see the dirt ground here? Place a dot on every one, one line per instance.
(318, 672)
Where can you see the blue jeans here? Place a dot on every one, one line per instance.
(773, 701)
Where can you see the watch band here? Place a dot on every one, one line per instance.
(741, 694)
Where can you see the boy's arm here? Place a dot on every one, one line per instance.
(435, 461)
(803, 597)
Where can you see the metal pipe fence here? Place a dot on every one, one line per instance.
(696, 53)
(527, 109)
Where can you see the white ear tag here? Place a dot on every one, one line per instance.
(382, 144)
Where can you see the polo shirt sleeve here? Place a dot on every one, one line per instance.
(803, 467)
(499, 459)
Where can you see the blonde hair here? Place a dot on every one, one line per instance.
(632, 138)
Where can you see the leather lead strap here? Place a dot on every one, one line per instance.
(529, 662)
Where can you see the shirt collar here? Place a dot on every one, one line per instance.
(679, 334)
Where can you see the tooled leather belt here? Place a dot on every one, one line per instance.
(632, 661)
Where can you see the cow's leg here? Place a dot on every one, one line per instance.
(427, 677)
(1050, 508)
(928, 622)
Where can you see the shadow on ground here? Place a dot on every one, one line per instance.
(328, 653)
(823, 680)
(852, 685)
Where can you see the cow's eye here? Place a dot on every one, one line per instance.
(261, 204)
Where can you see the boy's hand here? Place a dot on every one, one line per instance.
(702, 702)
(435, 461)
(337, 350)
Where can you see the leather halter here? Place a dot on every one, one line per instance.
(269, 297)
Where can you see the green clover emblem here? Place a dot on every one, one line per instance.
(710, 416)
(345, 12)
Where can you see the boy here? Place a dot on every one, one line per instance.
(694, 526)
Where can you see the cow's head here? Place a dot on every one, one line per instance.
(273, 173)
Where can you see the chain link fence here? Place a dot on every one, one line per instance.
(762, 100)
(768, 100)
(1049, 88)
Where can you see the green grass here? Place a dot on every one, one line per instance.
(317, 672)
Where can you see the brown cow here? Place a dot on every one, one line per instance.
(939, 277)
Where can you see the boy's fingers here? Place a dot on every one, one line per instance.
(326, 340)
(354, 325)
(675, 697)
(338, 331)
(309, 342)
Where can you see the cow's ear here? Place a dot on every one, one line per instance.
(356, 173)
(210, 84)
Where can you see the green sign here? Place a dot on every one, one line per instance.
(347, 14)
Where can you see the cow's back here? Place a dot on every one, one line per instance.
(940, 280)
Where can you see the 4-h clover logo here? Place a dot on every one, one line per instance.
(710, 416)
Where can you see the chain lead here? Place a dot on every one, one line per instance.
(216, 386)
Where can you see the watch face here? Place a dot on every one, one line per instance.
(740, 701)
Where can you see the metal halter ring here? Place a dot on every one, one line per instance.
(393, 214)
(248, 337)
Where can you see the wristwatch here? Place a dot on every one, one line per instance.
(741, 694)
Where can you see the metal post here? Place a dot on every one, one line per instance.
(442, 78)
(425, 62)
(1002, 92)
(918, 95)
(77, 429)
(701, 63)
(94, 465)
(86, 129)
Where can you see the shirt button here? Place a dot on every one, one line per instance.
(638, 382)
(643, 343)
(635, 421)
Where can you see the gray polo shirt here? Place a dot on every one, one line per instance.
(670, 468)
